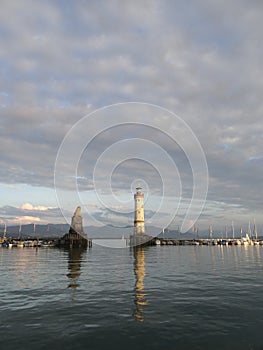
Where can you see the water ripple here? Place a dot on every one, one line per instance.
(172, 297)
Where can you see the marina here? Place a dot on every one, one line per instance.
(29, 243)
(125, 242)
(207, 242)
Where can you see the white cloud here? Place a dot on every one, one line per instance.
(26, 219)
(29, 206)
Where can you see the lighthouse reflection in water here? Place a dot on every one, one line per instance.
(74, 272)
(140, 295)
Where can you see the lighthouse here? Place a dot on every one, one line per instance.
(139, 212)
(139, 238)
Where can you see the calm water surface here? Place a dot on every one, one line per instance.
(167, 297)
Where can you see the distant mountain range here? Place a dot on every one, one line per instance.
(58, 230)
(31, 230)
(110, 231)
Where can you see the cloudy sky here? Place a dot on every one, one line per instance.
(61, 61)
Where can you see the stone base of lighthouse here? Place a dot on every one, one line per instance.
(140, 239)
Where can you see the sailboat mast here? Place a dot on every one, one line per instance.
(210, 231)
(19, 231)
(195, 231)
(233, 230)
(255, 231)
(4, 232)
(249, 230)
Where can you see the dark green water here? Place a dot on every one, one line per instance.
(168, 297)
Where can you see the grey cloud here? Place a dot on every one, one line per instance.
(189, 57)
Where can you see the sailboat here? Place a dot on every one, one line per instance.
(255, 234)
(239, 241)
(247, 239)
(4, 242)
(20, 243)
(225, 241)
(195, 232)
(231, 241)
(213, 241)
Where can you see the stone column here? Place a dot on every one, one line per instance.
(76, 222)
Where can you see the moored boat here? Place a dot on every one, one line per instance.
(157, 242)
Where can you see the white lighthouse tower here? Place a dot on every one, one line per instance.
(139, 212)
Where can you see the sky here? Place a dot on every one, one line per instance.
(98, 97)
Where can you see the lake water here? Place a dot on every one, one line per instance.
(164, 297)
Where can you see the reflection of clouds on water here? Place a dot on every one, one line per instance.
(139, 271)
(74, 267)
(111, 242)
